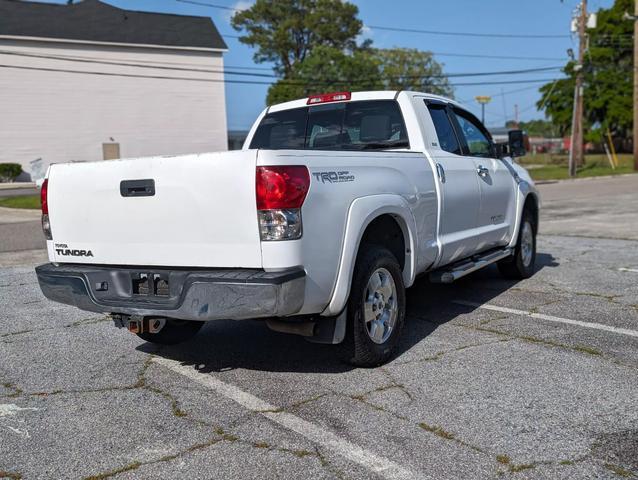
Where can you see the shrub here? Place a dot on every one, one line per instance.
(9, 171)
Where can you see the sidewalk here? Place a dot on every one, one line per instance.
(19, 230)
(18, 215)
(17, 185)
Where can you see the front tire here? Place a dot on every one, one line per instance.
(173, 332)
(521, 264)
(376, 308)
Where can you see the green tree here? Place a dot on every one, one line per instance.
(284, 32)
(328, 69)
(411, 69)
(608, 73)
(557, 99)
(313, 45)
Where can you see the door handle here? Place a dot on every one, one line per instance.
(440, 172)
(137, 188)
(482, 171)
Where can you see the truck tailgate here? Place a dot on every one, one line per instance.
(202, 212)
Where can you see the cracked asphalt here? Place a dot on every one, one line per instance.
(491, 382)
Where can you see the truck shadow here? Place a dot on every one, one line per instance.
(228, 345)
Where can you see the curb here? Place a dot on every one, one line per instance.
(17, 185)
(583, 179)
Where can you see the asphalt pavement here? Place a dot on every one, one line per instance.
(495, 379)
(20, 229)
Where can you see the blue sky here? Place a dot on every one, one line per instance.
(535, 17)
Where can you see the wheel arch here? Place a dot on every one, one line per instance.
(531, 204)
(528, 198)
(367, 218)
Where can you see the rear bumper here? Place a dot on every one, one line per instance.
(200, 294)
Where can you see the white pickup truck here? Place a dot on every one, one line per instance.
(335, 205)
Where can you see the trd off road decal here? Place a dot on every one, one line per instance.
(333, 177)
(64, 250)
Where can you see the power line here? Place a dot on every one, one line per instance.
(464, 34)
(502, 94)
(265, 75)
(138, 60)
(505, 72)
(467, 55)
(211, 5)
(407, 30)
(495, 57)
(246, 82)
(506, 82)
(136, 65)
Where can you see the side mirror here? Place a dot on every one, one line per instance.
(502, 150)
(517, 143)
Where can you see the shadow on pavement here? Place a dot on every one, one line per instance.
(249, 344)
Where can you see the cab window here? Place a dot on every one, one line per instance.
(476, 138)
(325, 124)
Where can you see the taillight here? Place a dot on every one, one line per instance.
(281, 186)
(43, 197)
(329, 97)
(281, 191)
(44, 201)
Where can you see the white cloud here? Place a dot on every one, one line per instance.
(366, 33)
(239, 5)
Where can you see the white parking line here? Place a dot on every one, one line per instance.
(366, 458)
(633, 270)
(551, 318)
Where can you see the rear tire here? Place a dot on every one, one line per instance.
(521, 264)
(376, 308)
(174, 332)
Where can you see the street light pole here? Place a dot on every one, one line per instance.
(483, 100)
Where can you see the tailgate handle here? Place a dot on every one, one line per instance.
(137, 188)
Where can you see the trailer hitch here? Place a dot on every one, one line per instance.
(136, 324)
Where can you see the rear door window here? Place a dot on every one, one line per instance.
(444, 130)
(375, 124)
(362, 125)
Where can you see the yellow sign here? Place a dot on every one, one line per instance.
(483, 99)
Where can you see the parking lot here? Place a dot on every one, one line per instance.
(495, 379)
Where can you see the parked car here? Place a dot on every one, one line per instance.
(332, 209)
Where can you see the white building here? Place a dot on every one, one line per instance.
(89, 81)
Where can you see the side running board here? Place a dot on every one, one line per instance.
(453, 272)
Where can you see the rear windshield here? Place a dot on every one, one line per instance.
(364, 125)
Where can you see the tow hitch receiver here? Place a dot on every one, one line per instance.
(145, 325)
(135, 326)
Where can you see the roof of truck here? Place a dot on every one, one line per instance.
(358, 96)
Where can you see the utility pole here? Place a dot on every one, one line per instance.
(516, 115)
(635, 141)
(483, 100)
(576, 150)
(634, 17)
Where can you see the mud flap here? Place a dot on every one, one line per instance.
(330, 330)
